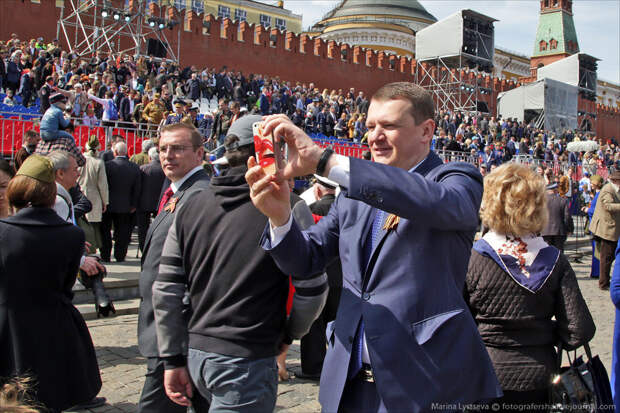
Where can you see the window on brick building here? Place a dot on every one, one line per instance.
(543, 45)
(280, 24)
(198, 6)
(179, 4)
(223, 12)
(241, 15)
(265, 20)
(553, 44)
(555, 3)
(546, 3)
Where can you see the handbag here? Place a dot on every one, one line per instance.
(582, 386)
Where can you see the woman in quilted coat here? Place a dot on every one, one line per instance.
(516, 284)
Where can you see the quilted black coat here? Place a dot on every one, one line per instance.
(520, 328)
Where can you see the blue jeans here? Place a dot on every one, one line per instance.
(220, 141)
(234, 384)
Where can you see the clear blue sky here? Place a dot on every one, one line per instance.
(597, 23)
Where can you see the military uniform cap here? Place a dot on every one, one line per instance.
(38, 167)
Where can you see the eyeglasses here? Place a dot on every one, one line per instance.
(174, 149)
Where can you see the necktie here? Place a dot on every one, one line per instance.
(355, 365)
(164, 199)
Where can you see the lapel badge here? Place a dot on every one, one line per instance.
(391, 222)
(171, 205)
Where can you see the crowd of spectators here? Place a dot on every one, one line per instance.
(106, 89)
(147, 92)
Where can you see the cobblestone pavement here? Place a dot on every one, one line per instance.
(122, 368)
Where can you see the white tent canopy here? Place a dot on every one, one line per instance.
(557, 100)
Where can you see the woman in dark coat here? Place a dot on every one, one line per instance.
(41, 333)
(516, 283)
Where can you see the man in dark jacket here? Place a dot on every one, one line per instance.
(152, 181)
(45, 92)
(125, 112)
(124, 186)
(193, 86)
(321, 120)
(239, 295)
(183, 168)
(221, 123)
(560, 220)
(314, 344)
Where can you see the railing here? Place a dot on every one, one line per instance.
(14, 127)
(558, 168)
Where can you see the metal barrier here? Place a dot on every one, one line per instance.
(14, 127)
(456, 156)
(558, 168)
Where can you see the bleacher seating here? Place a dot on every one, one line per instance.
(25, 112)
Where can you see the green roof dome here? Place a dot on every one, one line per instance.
(404, 8)
(408, 13)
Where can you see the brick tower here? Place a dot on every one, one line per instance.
(556, 37)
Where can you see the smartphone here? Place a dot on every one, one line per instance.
(264, 148)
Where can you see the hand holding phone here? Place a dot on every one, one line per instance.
(264, 148)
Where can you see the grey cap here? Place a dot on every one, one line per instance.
(242, 128)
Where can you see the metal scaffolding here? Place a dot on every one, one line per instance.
(92, 25)
(449, 91)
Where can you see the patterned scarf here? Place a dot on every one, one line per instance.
(528, 260)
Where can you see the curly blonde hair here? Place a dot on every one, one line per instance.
(15, 398)
(514, 201)
(564, 185)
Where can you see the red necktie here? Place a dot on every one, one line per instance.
(164, 199)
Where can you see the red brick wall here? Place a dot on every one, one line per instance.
(28, 20)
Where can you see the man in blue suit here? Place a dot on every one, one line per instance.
(403, 227)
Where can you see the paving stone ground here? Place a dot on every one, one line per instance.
(122, 368)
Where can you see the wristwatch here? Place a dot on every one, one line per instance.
(320, 167)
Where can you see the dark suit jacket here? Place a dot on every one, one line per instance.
(124, 109)
(124, 182)
(107, 155)
(410, 293)
(152, 181)
(154, 243)
(559, 215)
(322, 206)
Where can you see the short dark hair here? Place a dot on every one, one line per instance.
(31, 133)
(25, 191)
(7, 168)
(422, 106)
(117, 138)
(239, 155)
(195, 136)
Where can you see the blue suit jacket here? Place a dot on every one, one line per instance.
(423, 343)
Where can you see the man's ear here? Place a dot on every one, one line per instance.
(428, 129)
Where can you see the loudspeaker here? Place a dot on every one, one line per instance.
(156, 48)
